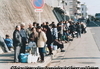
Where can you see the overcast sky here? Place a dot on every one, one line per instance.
(93, 6)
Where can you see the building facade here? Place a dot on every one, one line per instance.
(74, 8)
(84, 11)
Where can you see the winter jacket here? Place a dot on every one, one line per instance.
(17, 38)
(8, 42)
(41, 39)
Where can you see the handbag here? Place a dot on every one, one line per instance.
(23, 57)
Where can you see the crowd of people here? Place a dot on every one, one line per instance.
(44, 35)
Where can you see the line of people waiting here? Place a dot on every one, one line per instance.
(43, 35)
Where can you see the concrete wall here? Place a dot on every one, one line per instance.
(13, 12)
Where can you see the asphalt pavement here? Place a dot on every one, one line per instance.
(95, 30)
(82, 52)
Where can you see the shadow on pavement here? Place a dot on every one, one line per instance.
(6, 60)
(55, 62)
(87, 62)
(83, 58)
(7, 57)
(60, 56)
(77, 58)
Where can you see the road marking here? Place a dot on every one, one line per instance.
(95, 23)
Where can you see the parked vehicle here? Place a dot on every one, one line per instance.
(97, 17)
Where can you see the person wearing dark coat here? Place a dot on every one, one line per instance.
(72, 29)
(24, 38)
(34, 35)
(59, 45)
(49, 38)
(88, 21)
(60, 30)
(78, 29)
(17, 43)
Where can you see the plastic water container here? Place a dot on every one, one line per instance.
(29, 60)
(34, 59)
(24, 57)
(55, 47)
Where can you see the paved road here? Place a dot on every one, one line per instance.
(95, 29)
(84, 51)
(93, 24)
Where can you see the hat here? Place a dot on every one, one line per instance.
(38, 27)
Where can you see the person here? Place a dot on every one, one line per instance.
(78, 29)
(28, 30)
(37, 24)
(83, 26)
(17, 43)
(34, 35)
(9, 42)
(67, 36)
(43, 24)
(54, 32)
(24, 37)
(72, 29)
(67, 25)
(49, 38)
(88, 21)
(47, 23)
(3, 44)
(59, 45)
(52, 24)
(60, 30)
(33, 38)
(34, 24)
(41, 41)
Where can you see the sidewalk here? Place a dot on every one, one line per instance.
(80, 53)
(7, 61)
